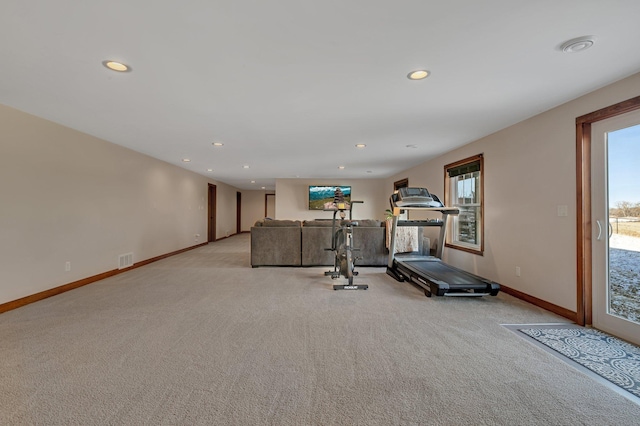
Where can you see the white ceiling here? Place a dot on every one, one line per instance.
(290, 86)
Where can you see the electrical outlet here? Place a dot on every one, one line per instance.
(517, 271)
(67, 266)
(563, 210)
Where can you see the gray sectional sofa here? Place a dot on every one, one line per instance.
(296, 243)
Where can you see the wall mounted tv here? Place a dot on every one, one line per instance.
(319, 195)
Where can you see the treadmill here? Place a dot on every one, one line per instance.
(430, 272)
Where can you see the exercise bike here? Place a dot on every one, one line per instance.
(342, 246)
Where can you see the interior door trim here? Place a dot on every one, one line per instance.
(584, 314)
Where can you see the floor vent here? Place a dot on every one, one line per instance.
(125, 260)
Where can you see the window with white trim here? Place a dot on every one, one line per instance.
(464, 189)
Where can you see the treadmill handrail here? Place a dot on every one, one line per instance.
(397, 210)
(426, 222)
(444, 210)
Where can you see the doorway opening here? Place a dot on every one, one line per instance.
(211, 213)
(270, 205)
(238, 212)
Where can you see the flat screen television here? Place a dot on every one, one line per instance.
(321, 196)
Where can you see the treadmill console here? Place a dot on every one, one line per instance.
(415, 197)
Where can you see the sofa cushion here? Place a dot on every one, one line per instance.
(275, 246)
(363, 223)
(279, 223)
(368, 223)
(370, 242)
(315, 239)
(319, 223)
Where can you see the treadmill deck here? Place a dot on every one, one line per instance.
(442, 279)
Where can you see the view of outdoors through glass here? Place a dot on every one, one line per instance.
(623, 153)
(467, 198)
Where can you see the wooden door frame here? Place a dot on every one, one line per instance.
(402, 183)
(584, 314)
(212, 204)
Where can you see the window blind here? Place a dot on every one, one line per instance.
(462, 169)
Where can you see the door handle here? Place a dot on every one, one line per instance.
(610, 230)
(599, 230)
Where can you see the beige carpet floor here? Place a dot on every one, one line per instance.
(202, 338)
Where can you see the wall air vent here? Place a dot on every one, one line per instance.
(125, 260)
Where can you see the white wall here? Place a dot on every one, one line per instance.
(529, 171)
(67, 196)
(292, 198)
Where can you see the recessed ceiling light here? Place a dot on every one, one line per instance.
(341, 167)
(116, 66)
(360, 145)
(264, 187)
(253, 181)
(209, 170)
(418, 74)
(246, 166)
(217, 144)
(577, 44)
(186, 160)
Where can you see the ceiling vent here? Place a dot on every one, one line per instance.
(577, 44)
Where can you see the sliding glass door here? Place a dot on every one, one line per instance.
(616, 225)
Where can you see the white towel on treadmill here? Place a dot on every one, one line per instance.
(406, 238)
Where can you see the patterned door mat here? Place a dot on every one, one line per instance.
(605, 355)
